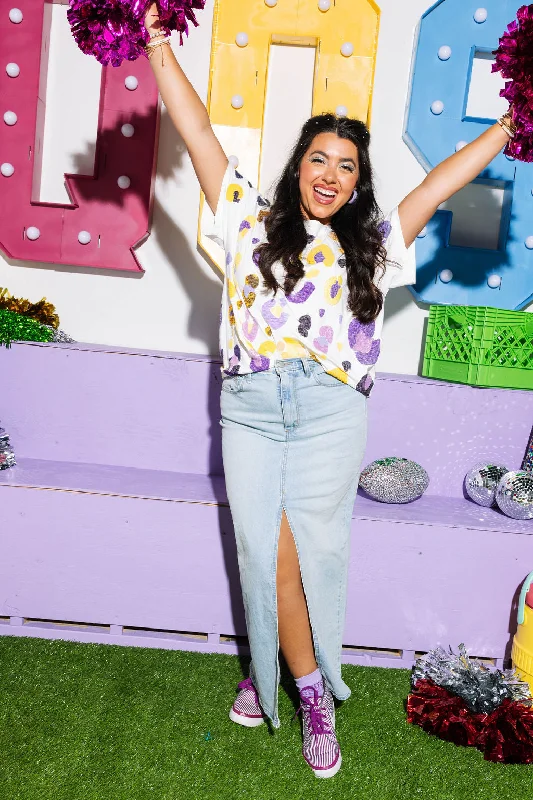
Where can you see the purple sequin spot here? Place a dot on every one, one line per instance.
(327, 331)
(256, 257)
(270, 318)
(228, 258)
(237, 351)
(335, 289)
(342, 261)
(385, 229)
(259, 363)
(360, 338)
(346, 365)
(304, 294)
(321, 312)
(319, 257)
(324, 339)
(244, 226)
(233, 371)
(304, 325)
(365, 385)
(321, 343)
(238, 175)
(255, 240)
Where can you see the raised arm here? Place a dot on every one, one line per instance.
(188, 114)
(447, 178)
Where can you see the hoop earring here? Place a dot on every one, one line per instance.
(353, 198)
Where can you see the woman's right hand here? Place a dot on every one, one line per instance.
(151, 20)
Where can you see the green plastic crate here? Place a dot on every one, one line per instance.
(480, 346)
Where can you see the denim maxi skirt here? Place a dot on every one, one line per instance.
(293, 439)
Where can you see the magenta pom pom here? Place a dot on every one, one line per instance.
(110, 30)
(514, 59)
(114, 30)
(175, 15)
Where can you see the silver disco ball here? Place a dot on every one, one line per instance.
(514, 494)
(394, 480)
(482, 481)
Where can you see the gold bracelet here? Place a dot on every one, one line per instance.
(506, 122)
(151, 48)
(157, 42)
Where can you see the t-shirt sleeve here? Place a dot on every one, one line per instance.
(237, 201)
(401, 261)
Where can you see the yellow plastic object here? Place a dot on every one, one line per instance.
(522, 652)
(338, 80)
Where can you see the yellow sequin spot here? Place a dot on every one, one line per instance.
(238, 259)
(234, 193)
(246, 225)
(312, 273)
(267, 349)
(239, 303)
(231, 315)
(333, 236)
(251, 281)
(339, 345)
(294, 349)
(231, 290)
(262, 215)
(333, 290)
(268, 330)
(338, 373)
(321, 254)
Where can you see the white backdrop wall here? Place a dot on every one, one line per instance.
(174, 305)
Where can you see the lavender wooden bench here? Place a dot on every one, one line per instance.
(115, 527)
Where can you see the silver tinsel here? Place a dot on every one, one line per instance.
(514, 494)
(482, 688)
(7, 456)
(481, 482)
(59, 335)
(394, 480)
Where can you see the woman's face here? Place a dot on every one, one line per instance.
(329, 172)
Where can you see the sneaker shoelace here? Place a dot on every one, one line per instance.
(319, 720)
(247, 684)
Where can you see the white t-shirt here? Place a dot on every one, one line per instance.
(314, 321)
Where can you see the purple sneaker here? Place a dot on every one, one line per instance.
(246, 709)
(320, 747)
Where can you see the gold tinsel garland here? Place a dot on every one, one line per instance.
(43, 311)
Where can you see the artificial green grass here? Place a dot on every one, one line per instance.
(97, 722)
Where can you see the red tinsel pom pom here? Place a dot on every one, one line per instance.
(505, 735)
(514, 59)
(443, 714)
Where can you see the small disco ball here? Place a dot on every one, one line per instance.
(514, 494)
(482, 481)
(394, 480)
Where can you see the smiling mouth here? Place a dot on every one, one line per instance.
(324, 196)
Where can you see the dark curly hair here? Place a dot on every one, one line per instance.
(357, 226)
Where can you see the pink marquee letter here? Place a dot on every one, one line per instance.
(104, 222)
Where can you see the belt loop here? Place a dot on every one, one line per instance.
(306, 366)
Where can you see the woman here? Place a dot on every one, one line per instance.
(302, 312)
